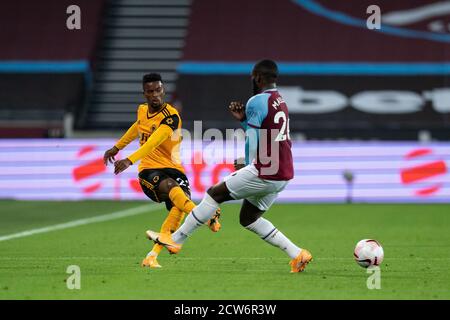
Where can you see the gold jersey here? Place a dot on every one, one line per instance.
(159, 138)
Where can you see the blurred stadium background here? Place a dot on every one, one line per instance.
(369, 109)
(369, 120)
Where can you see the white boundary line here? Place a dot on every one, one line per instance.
(81, 222)
(212, 258)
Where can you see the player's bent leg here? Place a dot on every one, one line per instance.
(215, 195)
(220, 192)
(170, 188)
(252, 212)
(249, 213)
(180, 198)
(151, 259)
(206, 210)
(198, 217)
(170, 224)
(173, 220)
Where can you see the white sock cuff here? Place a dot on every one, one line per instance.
(262, 227)
(254, 225)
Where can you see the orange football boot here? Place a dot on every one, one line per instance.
(164, 239)
(150, 261)
(299, 263)
(213, 223)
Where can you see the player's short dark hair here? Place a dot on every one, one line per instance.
(151, 77)
(268, 69)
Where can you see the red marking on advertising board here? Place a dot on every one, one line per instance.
(430, 190)
(135, 186)
(418, 153)
(92, 188)
(85, 150)
(88, 170)
(423, 172)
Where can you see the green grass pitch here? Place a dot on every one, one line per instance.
(232, 264)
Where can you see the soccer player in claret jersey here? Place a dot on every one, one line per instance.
(268, 169)
(161, 174)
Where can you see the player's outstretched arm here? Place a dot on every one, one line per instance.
(162, 133)
(131, 134)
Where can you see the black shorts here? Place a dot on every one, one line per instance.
(149, 179)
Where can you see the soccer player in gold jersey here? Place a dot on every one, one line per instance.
(161, 174)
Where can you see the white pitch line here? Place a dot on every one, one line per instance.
(81, 222)
(211, 258)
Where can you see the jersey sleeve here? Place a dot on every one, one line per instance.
(251, 144)
(256, 110)
(157, 137)
(131, 134)
(171, 121)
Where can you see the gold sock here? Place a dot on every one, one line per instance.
(173, 220)
(157, 249)
(170, 225)
(180, 200)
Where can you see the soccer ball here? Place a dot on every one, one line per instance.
(368, 252)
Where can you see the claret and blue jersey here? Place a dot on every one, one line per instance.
(266, 112)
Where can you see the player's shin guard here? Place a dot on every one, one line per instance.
(201, 213)
(180, 200)
(267, 231)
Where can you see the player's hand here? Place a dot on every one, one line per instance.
(237, 110)
(121, 165)
(239, 163)
(109, 155)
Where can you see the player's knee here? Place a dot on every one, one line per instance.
(219, 193)
(214, 193)
(164, 188)
(166, 185)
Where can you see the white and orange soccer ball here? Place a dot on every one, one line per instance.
(368, 252)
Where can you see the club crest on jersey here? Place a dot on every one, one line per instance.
(169, 121)
(155, 179)
(153, 128)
